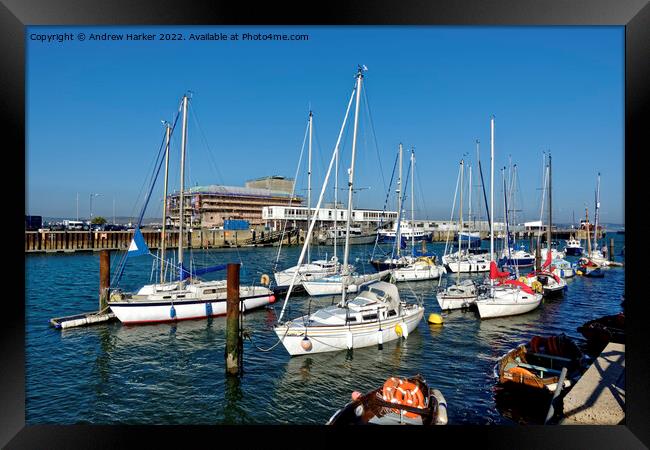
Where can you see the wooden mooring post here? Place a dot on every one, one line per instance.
(538, 257)
(104, 278)
(611, 249)
(234, 341)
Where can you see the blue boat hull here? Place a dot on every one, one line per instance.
(572, 251)
(521, 262)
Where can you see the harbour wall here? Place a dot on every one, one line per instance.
(73, 241)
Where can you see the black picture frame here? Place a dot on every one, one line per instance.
(634, 15)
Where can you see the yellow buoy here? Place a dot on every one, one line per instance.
(435, 319)
(398, 329)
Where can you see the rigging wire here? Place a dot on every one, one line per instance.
(293, 190)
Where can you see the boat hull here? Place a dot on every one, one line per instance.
(573, 251)
(468, 266)
(139, 312)
(518, 262)
(335, 337)
(507, 302)
(418, 273)
(354, 240)
(447, 302)
(326, 286)
(283, 279)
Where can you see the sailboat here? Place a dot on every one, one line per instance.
(463, 261)
(311, 270)
(573, 247)
(586, 266)
(187, 297)
(396, 236)
(508, 297)
(594, 254)
(422, 268)
(375, 315)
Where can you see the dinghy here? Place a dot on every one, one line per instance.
(401, 401)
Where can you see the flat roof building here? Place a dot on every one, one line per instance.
(209, 206)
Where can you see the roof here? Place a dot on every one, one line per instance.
(239, 191)
(271, 177)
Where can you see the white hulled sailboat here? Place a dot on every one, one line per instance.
(376, 314)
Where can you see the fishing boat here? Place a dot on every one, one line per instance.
(520, 258)
(187, 297)
(423, 267)
(539, 363)
(407, 230)
(310, 270)
(336, 236)
(373, 315)
(508, 297)
(400, 401)
(563, 268)
(573, 247)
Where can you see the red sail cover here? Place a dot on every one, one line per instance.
(549, 258)
(494, 272)
(524, 287)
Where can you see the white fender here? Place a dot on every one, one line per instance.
(441, 417)
(348, 336)
(405, 330)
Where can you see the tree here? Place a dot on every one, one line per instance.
(98, 220)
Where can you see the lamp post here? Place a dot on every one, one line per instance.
(91, 205)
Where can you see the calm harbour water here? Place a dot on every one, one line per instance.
(175, 373)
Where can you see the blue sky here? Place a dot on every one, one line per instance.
(94, 110)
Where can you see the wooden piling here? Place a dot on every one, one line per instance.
(233, 336)
(538, 257)
(611, 249)
(104, 278)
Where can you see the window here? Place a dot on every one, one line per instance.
(370, 317)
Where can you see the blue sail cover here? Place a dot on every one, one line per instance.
(138, 246)
(185, 273)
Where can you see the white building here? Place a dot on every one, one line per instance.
(274, 216)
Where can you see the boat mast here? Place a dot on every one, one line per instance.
(412, 203)
(164, 215)
(587, 225)
(345, 270)
(491, 200)
(550, 206)
(469, 215)
(398, 229)
(309, 182)
(317, 208)
(460, 218)
(595, 246)
(182, 191)
(336, 200)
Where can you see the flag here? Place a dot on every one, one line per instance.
(138, 246)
